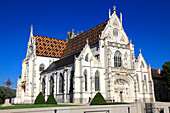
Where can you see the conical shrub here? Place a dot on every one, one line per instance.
(51, 99)
(40, 99)
(98, 99)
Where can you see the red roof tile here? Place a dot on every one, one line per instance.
(78, 43)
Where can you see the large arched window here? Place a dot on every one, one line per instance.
(117, 59)
(41, 68)
(97, 81)
(43, 86)
(61, 87)
(85, 79)
(51, 85)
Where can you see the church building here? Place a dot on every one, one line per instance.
(102, 59)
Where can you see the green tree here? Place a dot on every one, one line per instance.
(166, 73)
(1, 101)
(98, 99)
(3, 93)
(40, 99)
(51, 99)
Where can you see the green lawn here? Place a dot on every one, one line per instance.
(21, 106)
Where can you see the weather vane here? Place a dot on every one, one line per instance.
(8, 83)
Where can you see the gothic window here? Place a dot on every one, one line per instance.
(115, 32)
(125, 60)
(97, 81)
(43, 86)
(51, 85)
(42, 66)
(142, 64)
(145, 81)
(87, 57)
(85, 79)
(117, 59)
(61, 87)
(71, 81)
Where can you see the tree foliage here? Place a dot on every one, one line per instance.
(1, 101)
(51, 99)
(166, 72)
(40, 99)
(98, 99)
(3, 93)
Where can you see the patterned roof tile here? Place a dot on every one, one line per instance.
(49, 47)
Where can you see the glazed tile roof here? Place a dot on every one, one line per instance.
(49, 47)
(78, 43)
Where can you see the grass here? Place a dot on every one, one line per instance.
(21, 106)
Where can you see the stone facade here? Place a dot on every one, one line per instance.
(101, 59)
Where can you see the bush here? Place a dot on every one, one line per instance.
(40, 99)
(51, 99)
(1, 101)
(98, 99)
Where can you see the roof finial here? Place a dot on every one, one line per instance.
(140, 50)
(31, 27)
(31, 33)
(87, 41)
(114, 8)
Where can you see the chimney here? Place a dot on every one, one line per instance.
(68, 35)
(72, 30)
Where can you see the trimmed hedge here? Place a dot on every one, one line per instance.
(51, 99)
(98, 99)
(40, 99)
(1, 101)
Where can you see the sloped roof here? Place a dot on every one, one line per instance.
(49, 47)
(62, 62)
(79, 42)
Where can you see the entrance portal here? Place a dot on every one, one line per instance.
(122, 90)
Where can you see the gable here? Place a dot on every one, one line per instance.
(49, 47)
(114, 31)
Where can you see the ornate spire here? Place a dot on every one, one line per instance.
(114, 9)
(31, 33)
(140, 50)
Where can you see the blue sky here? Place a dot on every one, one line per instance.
(146, 23)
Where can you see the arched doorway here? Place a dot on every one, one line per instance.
(123, 90)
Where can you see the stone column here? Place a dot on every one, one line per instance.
(65, 85)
